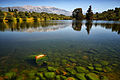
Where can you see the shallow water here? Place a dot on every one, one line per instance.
(66, 43)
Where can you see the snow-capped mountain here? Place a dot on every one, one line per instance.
(39, 9)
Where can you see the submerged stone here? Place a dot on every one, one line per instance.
(98, 69)
(42, 69)
(49, 75)
(10, 75)
(72, 71)
(37, 78)
(108, 69)
(72, 60)
(81, 76)
(63, 77)
(57, 77)
(97, 65)
(90, 67)
(70, 78)
(41, 76)
(51, 69)
(92, 76)
(39, 59)
(81, 69)
(105, 63)
(104, 78)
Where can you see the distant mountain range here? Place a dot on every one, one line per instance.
(39, 9)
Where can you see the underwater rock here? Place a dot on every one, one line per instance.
(104, 78)
(108, 69)
(70, 78)
(72, 60)
(37, 78)
(39, 59)
(41, 76)
(31, 75)
(63, 77)
(104, 63)
(92, 76)
(1, 78)
(42, 69)
(97, 65)
(57, 77)
(98, 69)
(64, 61)
(51, 69)
(72, 71)
(10, 75)
(81, 76)
(90, 67)
(81, 69)
(49, 75)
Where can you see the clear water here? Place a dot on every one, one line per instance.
(79, 43)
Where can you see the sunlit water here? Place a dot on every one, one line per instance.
(67, 44)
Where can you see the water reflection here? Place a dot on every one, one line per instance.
(77, 25)
(32, 26)
(55, 25)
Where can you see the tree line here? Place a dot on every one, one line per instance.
(14, 14)
(111, 14)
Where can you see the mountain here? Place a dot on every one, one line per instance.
(39, 9)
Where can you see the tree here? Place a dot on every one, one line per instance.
(9, 10)
(77, 14)
(89, 14)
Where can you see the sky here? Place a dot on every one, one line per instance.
(69, 5)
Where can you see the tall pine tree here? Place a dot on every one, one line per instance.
(89, 14)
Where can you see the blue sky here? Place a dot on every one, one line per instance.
(70, 5)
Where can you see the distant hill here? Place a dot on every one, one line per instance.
(39, 9)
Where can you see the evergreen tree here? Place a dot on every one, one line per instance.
(89, 14)
(9, 10)
(77, 14)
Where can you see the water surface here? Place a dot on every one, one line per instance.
(66, 43)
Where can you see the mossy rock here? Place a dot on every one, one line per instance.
(81, 69)
(99, 69)
(81, 76)
(42, 69)
(90, 67)
(41, 76)
(51, 69)
(64, 61)
(10, 75)
(20, 78)
(104, 78)
(70, 70)
(108, 69)
(31, 75)
(63, 77)
(49, 75)
(104, 63)
(70, 78)
(72, 60)
(37, 78)
(58, 77)
(92, 76)
(97, 65)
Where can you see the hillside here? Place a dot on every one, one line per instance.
(39, 9)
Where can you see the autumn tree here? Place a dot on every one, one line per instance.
(77, 14)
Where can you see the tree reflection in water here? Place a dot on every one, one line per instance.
(77, 25)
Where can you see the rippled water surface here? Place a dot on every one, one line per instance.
(69, 45)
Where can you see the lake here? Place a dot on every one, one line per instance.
(90, 49)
